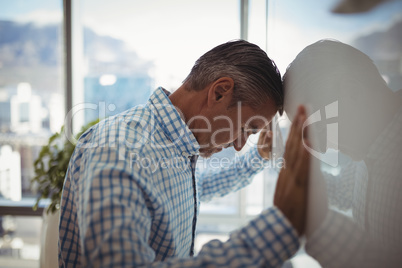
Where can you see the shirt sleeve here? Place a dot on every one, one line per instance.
(218, 182)
(117, 218)
(267, 241)
(121, 240)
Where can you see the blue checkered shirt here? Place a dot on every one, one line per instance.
(130, 198)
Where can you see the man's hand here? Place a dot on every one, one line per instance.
(267, 147)
(265, 142)
(291, 189)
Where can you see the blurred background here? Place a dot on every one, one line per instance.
(94, 59)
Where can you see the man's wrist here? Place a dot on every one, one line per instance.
(273, 235)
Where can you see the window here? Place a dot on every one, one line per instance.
(125, 49)
(130, 48)
(31, 109)
(31, 79)
(122, 50)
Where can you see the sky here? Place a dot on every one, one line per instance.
(26, 10)
(175, 33)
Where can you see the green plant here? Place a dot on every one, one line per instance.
(51, 167)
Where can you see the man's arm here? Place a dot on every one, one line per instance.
(227, 178)
(116, 223)
(230, 177)
(116, 227)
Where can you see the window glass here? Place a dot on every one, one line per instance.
(133, 47)
(31, 109)
(255, 194)
(294, 25)
(31, 88)
(129, 48)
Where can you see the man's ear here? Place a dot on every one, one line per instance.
(221, 90)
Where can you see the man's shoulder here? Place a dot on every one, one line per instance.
(137, 119)
(137, 129)
(130, 125)
(137, 113)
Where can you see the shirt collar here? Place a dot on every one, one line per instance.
(172, 124)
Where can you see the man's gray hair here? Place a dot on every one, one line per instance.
(256, 77)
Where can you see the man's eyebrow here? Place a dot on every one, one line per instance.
(253, 127)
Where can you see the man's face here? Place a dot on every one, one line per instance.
(226, 127)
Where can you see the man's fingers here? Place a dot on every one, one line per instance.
(303, 159)
(290, 144)
(291, 134)
(278, 190)
(265, 143)
(305, 131)
(294, 140)
(266, 138)
(303, 167)
(292, 186)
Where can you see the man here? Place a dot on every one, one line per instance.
(344, 85)
(131, 197)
